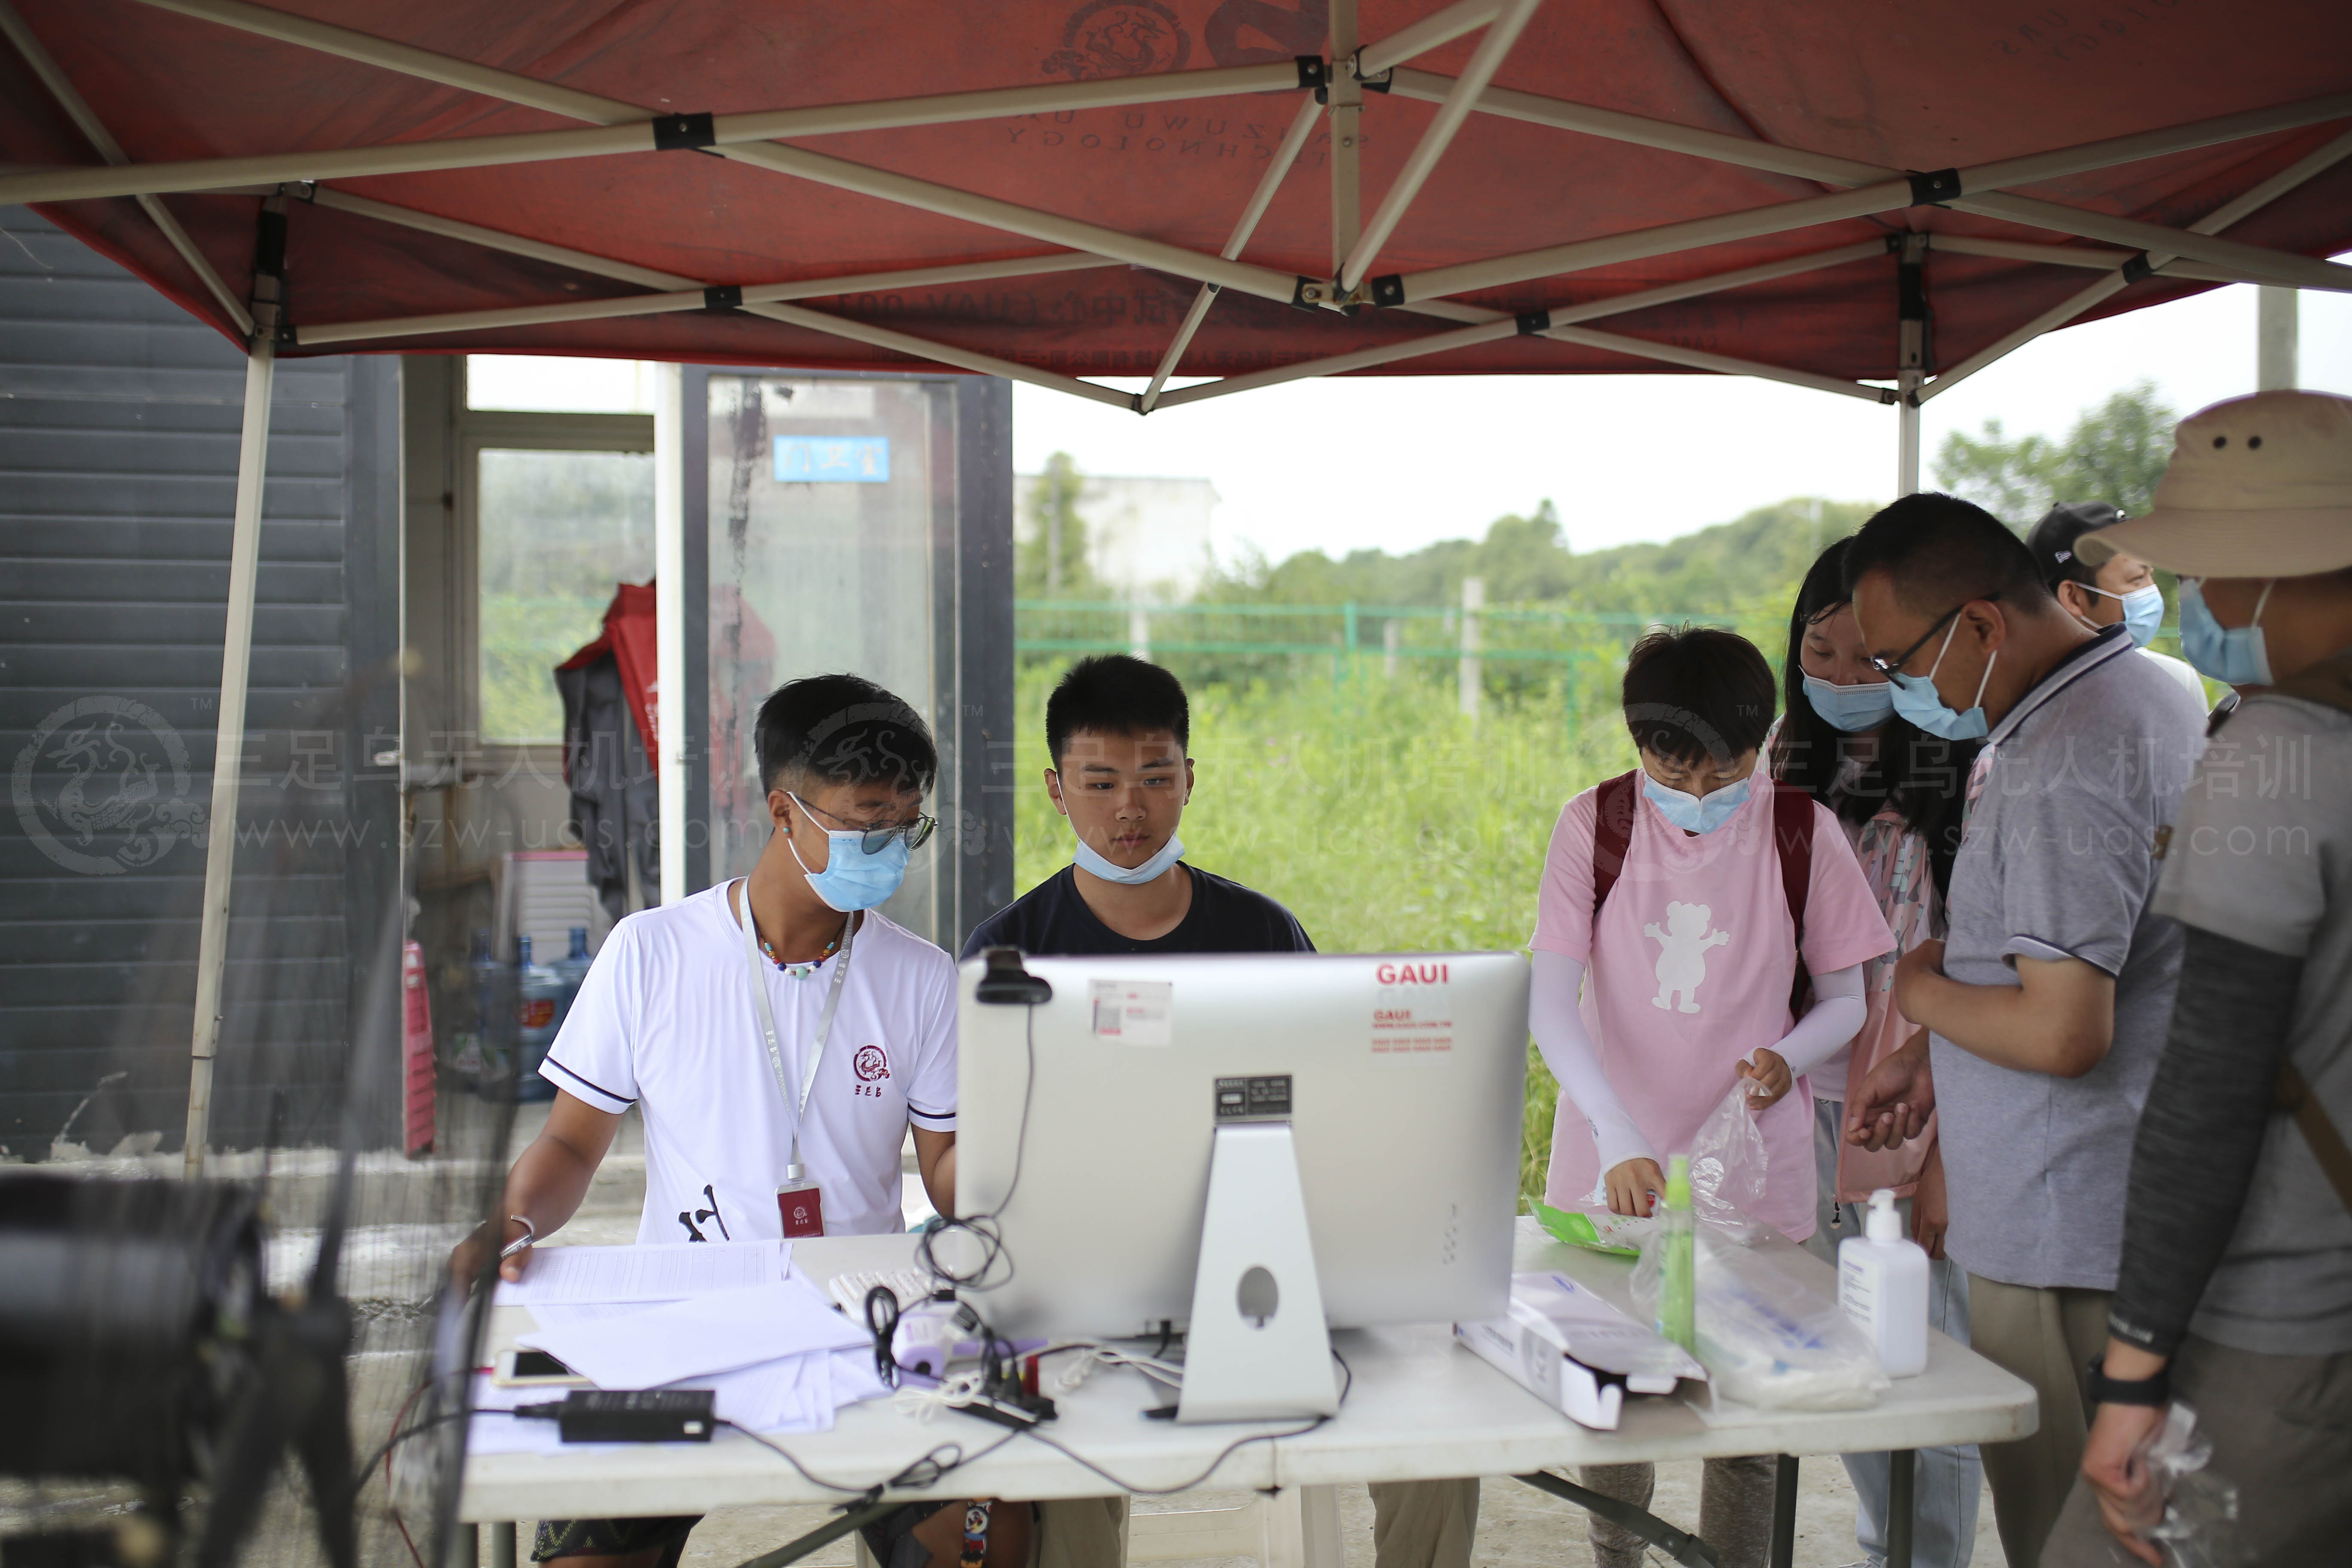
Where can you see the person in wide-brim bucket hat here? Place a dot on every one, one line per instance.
(2233, 1291)
(2258, 486)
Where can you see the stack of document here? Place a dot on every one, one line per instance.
(727, 1316)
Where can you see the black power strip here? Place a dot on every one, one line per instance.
(626, 1415)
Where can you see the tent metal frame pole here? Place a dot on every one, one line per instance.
(644, 135)
(985, 364)
(2246, 205)
(1491, 326)
(1053, 230)
(1907, 435)
(1347, 105)
(235, 681)
(2091, 257)
(1433, 31)
(1047, 227)
(692, 299)
(1302, 125)
(95, 132)
(1451, 116)
(2255, 261)
(1899, 191)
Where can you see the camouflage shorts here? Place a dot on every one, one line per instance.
(612, 1537)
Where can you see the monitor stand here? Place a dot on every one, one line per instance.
(1258, 1349)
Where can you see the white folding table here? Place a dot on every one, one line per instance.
(1419, 1407)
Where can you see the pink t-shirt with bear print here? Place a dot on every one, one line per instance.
(1689, 970)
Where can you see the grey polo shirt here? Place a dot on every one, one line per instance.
(2058, 862)
(2262, 853)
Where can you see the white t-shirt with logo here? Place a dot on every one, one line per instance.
(664, 1021)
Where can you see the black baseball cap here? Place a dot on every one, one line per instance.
(2052, 540)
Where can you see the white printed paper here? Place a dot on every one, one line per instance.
(663, 1271)
(726, 1331)
(1133, 1012)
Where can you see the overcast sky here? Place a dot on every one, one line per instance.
(1397, 462)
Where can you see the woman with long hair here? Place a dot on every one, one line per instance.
(1900, 793)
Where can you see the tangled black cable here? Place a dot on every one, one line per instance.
(926, 1471)
(983, 1227)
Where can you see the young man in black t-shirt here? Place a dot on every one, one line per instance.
(1117, 728)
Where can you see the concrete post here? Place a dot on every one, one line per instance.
(1138, 630)
(1391, 637)
(1471, 673)
(2277, 336)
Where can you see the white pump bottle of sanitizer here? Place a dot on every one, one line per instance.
(1883, 1285)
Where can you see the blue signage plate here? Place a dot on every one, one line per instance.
(833, 459)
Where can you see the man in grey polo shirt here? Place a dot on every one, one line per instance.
(2047, 1000)
(2235, 1291)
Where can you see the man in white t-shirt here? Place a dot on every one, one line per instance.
(777, 1067)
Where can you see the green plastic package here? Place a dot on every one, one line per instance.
(1620, 1236)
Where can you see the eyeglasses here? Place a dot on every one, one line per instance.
(1885, 665)
(917, 832)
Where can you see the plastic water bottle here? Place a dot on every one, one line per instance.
(1883, 1285)
(573, 968)
(1678, 1259)
(538, 997)
(474, 1043)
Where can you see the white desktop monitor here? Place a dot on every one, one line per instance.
(1405, 1078)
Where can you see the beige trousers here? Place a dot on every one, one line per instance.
(2282, 1433)
(2046, 1336)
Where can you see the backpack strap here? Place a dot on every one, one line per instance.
(1792, 838)
(2292, 1096)
(1613, 834)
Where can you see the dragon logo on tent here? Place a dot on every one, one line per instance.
(1119, 38)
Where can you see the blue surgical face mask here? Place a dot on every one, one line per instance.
(1852, 709)
(852, 878)
(1917, 701)
(1697, 813)
(2143, 612)
(1090, 861)
(2236, 656)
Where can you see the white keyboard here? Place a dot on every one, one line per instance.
(849, 1291)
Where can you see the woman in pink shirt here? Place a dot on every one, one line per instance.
(1685, 951)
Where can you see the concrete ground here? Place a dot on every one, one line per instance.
(1518, 1527)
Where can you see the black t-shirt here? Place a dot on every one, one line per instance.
(1051, 920)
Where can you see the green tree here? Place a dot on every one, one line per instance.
(2114, 453)
(1051, 560)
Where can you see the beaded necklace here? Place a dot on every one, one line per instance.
(803, 970)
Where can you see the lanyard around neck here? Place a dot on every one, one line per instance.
(766, 1011)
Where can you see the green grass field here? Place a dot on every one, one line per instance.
(1384, 819)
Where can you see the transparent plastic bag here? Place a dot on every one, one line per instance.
(1728, 1167)
(1766, 1340)
(2198, 1528)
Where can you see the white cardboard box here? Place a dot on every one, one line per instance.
(1575, 1352)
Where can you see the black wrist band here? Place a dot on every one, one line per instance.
(2154, 1391)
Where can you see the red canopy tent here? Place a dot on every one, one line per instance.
(1832, 193)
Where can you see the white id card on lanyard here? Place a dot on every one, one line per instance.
(799, 1202)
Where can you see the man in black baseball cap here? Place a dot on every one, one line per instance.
(2099, 585)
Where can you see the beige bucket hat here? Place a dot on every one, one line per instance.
(2258, 486)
